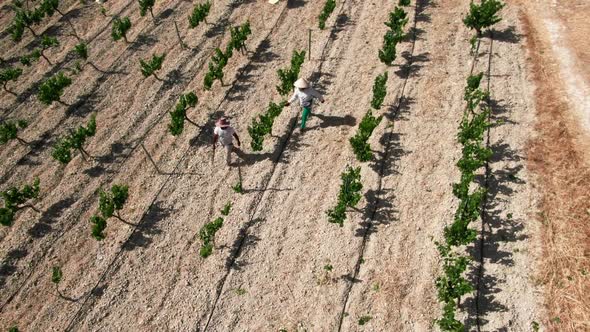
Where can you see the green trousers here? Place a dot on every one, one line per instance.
(306, 112)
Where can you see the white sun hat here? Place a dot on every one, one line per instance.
(274, 2)
(301, 83)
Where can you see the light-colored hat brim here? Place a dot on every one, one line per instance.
(301, 84)
(273, 2)
(222, 124)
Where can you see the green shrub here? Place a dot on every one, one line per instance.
(361, 148)
(52, 89)
(349, 195)
(379, 91)
(120, 28)
(329, 7)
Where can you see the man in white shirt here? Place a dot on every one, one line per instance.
(224, 133)
(305, 93)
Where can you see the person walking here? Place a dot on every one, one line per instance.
(224, 133)
(305, 93)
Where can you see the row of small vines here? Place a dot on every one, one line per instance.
(452, 285)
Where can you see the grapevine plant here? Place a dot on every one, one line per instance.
(263, 126)
(120, 28)
(397, 21)
(81, 50)
(145, 6)
(150, 67)
(178, 116)
(219, 60)
(15, 199)
(207, 235)
(27, 60)
(452, 285)
(379, 91)
(328, 9)
(47, 43)
(49, 7)
(290, 75)
(52, 89)
(199, 14)
(109, 205)
(483, 15)
(9, 74)
(348, 197)
(361, 148)
(62, 150)
(239, 35)
(24, 19)
(9, 131)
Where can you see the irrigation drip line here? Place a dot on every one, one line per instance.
(112, 174)
(481, 270)
(139, 224)
(417, 9)
(282, 148)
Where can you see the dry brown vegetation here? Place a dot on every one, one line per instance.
(565, 206)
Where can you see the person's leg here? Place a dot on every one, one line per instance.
(228, 149)
(306, 111)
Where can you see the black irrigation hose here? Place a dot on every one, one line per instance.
(417, 9)
(481, 269)
(282, 148)
(138, 225)
(109, 178)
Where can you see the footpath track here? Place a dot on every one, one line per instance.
(325, 49)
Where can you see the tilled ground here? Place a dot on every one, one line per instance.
(267, 271)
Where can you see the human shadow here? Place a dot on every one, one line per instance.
(204, 136)
(148, 227)
(333, 121)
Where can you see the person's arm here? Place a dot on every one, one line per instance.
(237, 138)
(316, 94)
(292, 99)
(215, 137)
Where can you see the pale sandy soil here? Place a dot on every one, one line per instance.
(267, 271)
